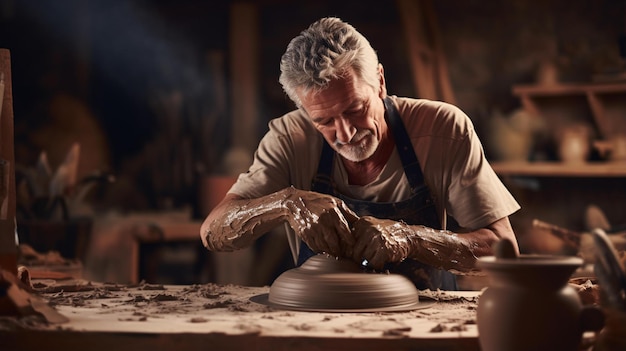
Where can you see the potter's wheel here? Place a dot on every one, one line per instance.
(327, 284)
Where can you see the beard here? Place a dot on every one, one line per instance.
(360, 148)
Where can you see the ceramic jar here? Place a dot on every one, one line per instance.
(529, 305)
(574, 144)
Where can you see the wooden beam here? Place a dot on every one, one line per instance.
(8, 249)
(426, 56)
(244, 68)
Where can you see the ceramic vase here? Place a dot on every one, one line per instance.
(528, 304)
(574, 145)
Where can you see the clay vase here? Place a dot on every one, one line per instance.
(574, 145)
(529, 305)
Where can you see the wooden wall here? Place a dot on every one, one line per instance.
(152, 74)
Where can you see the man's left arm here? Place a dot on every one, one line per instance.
(381, 240)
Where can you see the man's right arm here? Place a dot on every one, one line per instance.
(322, 221)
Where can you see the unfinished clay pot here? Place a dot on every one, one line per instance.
(326, 283)
(530, 306)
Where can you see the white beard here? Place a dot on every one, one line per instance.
(360, 148)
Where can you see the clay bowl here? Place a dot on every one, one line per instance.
(325, 283)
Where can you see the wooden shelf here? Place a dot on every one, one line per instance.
(604, 100)
(558, 169)
(569, 89)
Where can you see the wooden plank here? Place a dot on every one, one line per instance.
(125, 341)
(443, 78)
(569, 89)
(560, 169)
(6, 133)
(244, 32)
(420, 53)
(8, 249)
(426, 56)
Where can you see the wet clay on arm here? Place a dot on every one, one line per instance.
(381, 240)
(322, 221)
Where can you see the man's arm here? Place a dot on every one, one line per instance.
(322, 221)
(380, 241)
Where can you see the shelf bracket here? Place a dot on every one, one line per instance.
(597, 110)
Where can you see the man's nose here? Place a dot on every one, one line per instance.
(345, 131)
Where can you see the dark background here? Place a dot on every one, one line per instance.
(109, 73)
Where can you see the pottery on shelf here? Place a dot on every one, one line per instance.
(574, 144)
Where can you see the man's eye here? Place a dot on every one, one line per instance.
(325, 122)
(355, 111)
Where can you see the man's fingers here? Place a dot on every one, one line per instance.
(361, 241)
(344, 229)
(377, 261)
(350, 216)
(357, 251)
(365, 248)
(331, 243)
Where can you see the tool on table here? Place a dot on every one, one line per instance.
(582, 242)
(569, 237)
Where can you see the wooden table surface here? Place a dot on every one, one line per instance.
(114, 317)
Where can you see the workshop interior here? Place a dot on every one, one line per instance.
(124, 123)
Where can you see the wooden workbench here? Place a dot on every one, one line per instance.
(228, 317)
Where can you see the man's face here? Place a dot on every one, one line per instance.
(350, 115)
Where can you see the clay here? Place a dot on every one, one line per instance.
(438, 248)
(529, 305)
(324, 283)
(327, 225)
(322, 221)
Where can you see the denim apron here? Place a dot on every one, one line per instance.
(418, 209)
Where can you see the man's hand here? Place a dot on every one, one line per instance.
(382, 240)
(324, 222)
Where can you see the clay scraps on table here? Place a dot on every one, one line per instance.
(202, 303)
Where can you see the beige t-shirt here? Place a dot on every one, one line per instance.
(459, 177)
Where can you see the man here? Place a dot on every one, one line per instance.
(360, 174)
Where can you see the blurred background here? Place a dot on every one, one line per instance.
(172, 97)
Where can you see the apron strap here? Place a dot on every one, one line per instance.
(411, 165)
(322, 182)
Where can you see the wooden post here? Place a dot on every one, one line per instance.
(427, 59)
(244, 32)
(8, 247)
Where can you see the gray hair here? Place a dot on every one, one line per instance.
(325, 51)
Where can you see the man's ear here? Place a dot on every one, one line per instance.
(382, 92)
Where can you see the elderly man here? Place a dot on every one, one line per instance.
(394, 183)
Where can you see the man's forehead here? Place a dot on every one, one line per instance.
(327, 108)
(341, 93)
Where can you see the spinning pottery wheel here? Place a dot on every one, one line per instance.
(327, 284)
